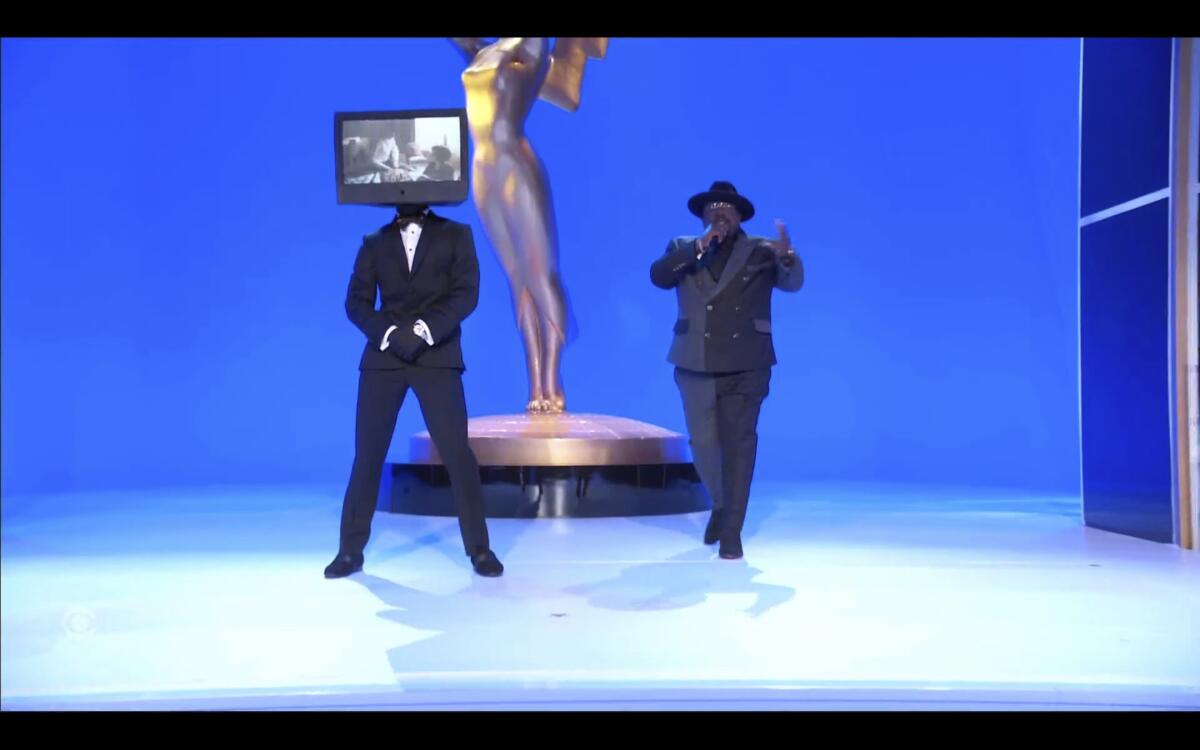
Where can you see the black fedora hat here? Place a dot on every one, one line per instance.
(721, 191)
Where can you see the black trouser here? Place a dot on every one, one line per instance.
(444, 407)
(722, 418)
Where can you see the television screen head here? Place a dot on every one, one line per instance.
(402, 157)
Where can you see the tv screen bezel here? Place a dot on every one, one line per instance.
(434, 193)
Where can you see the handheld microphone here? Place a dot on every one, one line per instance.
(713, 243)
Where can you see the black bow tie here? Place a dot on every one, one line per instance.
(405, 219)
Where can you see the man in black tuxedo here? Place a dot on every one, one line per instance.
(722, 349)
(426, 272)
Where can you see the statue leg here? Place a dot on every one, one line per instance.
(493, 214)
(527, 322)
(553, 338)
(532, 223)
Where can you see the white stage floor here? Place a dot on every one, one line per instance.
(850, 596)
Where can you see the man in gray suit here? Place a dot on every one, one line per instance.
(722, 349)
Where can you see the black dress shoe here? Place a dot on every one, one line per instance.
(486, 564)
(713, 532)
(344, 565)
(731, 549)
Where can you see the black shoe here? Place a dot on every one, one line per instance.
(731, 549)
(713, 532)
(344, 565)
(486, 564)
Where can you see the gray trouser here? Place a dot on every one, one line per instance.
(722, 411)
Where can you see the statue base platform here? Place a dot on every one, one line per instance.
(554, 466)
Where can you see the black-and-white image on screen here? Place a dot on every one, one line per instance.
(424, 149)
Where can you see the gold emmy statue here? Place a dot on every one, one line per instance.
(503, 80)
(542, 461)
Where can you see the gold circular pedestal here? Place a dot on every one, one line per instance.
(562, 440)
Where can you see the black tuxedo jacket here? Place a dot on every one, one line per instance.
(442, 290)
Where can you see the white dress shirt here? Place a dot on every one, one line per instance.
(411, 236)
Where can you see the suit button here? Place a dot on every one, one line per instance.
(737, 309)
(710, 307)
(735, 335)
(745, 278)
(707, 335)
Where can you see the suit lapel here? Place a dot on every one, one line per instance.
(395, 251)
(737, 259)
(428, 234)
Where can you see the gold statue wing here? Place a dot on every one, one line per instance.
(565, 77)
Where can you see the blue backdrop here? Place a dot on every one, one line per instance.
(174, 261)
